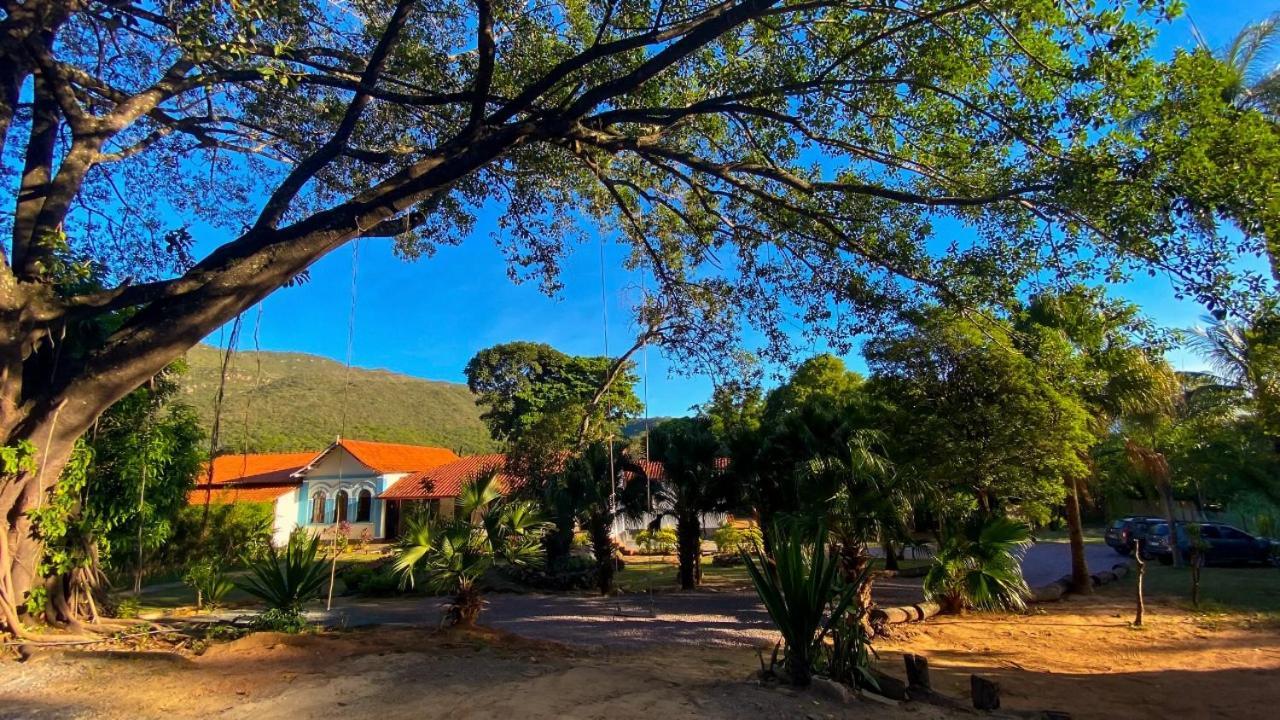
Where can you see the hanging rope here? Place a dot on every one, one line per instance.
(342, 421)
(214, 431)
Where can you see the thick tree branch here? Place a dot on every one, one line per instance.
(279, 202)
(487, 50)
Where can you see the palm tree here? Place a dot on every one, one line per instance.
(979, 566)
(1256, 83)
(456, 553)
(585, 490)
(1246, 356)
(1115, 376)
(694, 484)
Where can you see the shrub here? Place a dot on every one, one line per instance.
(234, 533)
(128, 608)
(371, 579)
(210, 583)
(572, 573)
(980, 566)
(807, 601)
(731, 540)
(281, 620)
(286, 581)
(657, 542)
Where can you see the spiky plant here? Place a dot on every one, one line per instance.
(980, 567)
(801, 588)
(286, 581)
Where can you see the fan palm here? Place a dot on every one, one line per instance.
(455, 554)
(584, 490)
(694, 484)
(980, 566)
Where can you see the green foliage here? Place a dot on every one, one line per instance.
(656, 542)
(953, 385)
(291, 403)
(234, 533)
(147, 451)
(210, 583)
(731, 539)
(286, 581)
(801, 588)
(979, 565)
(527, 389)
(127, 608)
(454, 554)
(281, 620)
(371, 580)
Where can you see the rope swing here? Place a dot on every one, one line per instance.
(342, 418)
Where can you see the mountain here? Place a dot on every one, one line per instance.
(293, 401)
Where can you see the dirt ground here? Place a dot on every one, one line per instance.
(1082, 656)
(409, 673)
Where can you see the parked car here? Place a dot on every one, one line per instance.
(1122, 533)
(1225, 544)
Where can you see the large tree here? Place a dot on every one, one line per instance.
(816, 143)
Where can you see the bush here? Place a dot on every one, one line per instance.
(281, 620)
(235, 533)
(574, 573)
(127, 608)
(371, 579)
(731, 540)
(210, 583)
(657, 542)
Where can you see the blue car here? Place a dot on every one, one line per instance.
(1226, 545)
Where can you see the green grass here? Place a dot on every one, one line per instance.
(294, 404)
(658, 573)
(1091, 534)
(1223, 590)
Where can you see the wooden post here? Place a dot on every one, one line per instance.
(1142, 570)
(986, 693)
(917, 671)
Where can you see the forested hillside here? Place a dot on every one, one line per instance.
(278, 401)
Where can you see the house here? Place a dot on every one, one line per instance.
(315, 490)
(373, 487)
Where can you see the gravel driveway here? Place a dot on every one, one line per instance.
(731, 618)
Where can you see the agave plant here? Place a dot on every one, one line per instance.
(286, 581)
(980, 567)
(802, 589)
(455, 554)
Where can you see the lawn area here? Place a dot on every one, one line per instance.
(1091, 534)
(658, 573)
(1223, 590)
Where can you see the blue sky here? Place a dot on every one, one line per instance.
(427, 318)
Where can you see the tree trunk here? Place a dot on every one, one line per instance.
(890, 555)
(559, 544)
(20, 550)
(602, 548)
(1080, 580)
(1142, 571)
(689, 536)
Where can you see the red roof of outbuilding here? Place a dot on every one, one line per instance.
(262, 492)
(447, 480)
(255, 468)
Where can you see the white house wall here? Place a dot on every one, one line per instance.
(286, 517)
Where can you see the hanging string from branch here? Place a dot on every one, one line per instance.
(216, 427)
(342, 417)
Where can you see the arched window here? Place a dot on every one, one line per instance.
(364, 506)
(317, 507)
(340, 500)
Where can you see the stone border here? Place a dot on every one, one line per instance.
(1061, 587)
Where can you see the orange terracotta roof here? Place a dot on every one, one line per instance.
(391, 457)
(447, 480)
(261, 492)
(255, 467)
(656, 471)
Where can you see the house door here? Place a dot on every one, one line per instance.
(393, 520)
